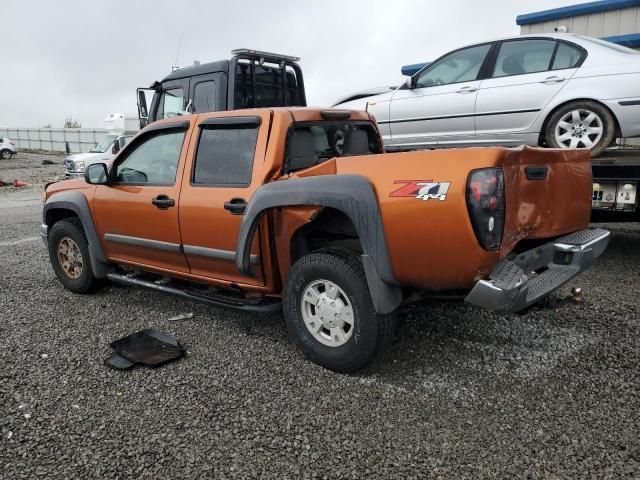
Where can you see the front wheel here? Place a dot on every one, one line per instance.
(6, 154)
(329, 312)
(69, 255)
(583, 124)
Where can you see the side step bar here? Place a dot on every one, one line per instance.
(219, 300)
(511, 287)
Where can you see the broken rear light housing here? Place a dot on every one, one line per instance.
(485, 202)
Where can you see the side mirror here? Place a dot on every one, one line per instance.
(143, 110)
(116, 147)
(410, 83)
(142, 104)
(96, 174)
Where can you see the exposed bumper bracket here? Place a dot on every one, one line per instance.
(512, 287)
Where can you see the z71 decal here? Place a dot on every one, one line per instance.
(422, 189)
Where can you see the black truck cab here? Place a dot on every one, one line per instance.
(250, 79)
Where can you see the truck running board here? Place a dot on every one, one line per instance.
(512, 286)
(264, 307)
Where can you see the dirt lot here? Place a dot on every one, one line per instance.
(552, 393)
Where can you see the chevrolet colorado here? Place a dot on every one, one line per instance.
(300, 209)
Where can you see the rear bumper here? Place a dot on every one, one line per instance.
(511, 286)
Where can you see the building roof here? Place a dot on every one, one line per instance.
(574, 10)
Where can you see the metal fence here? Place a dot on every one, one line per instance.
(76, 140)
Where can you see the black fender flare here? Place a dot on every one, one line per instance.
(352, 195)
(77, 203)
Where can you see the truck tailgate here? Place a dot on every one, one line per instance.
(548, 193)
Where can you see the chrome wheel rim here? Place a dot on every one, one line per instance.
(70, 258)
(6, 155)
(579, 128)
(327, 313)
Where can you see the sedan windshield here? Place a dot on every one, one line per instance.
(104, 145)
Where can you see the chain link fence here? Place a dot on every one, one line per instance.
(72, 140)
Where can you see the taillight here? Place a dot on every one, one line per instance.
(485, 201)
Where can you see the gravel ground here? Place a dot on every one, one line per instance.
(552, 393)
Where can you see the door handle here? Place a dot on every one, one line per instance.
(163, 202)
(236, 206)
(553, 79)
(467, 90)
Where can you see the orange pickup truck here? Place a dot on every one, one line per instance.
(300, 209)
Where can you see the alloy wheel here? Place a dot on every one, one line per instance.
(70, 258)
(580, 128)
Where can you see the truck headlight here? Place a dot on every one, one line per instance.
(78, 166)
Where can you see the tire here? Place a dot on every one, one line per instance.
(581, 124)
(368, 334)
(77, 275)
(6, 154)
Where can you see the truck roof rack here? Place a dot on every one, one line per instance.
(269, 55)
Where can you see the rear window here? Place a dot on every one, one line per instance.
(275, 86)
(225, 155)
(311, 143)
(610, 45)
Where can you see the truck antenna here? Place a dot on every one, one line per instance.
(175, 64)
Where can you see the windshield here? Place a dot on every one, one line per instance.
(104, 145)
(311, 143)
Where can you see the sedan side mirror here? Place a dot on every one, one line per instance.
(96, 174)
(410, 83)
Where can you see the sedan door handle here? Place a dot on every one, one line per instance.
(467, 90)
(553, 79)
(236, 206)
(163, 202)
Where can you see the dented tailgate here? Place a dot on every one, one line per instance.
(548, 193)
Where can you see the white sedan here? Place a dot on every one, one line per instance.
(557, 90)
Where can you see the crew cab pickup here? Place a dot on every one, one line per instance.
(300, 209)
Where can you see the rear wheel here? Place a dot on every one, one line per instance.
(582, 124)
(6, 154)
(329, 312)
(69, 255)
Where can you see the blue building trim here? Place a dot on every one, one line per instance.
(575, 10)
(630, 40)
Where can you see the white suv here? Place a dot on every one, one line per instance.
(7, 149)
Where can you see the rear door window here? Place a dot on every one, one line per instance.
(225, 155)
(523, 56)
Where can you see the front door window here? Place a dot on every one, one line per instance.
(461, 66)
(154, 161)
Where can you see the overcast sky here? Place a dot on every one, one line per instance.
(85, 58)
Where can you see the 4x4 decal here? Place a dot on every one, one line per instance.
(422, 189)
